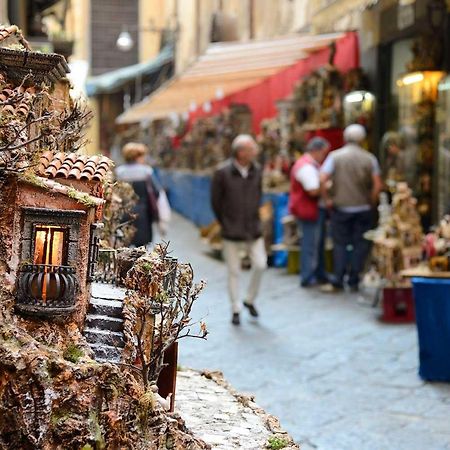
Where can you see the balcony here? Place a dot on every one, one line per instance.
(46, 290)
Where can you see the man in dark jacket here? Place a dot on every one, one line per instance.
(235, 197)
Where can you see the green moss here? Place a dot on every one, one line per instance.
(31, 178)
(147, 404)
(87, 447)
(73, 353)
(81, 197)
(96, 431)
(170, 442)
(147, 266)
(59, 416)
(276, 443)
(8, 339)
(162, 297)
(114, 391)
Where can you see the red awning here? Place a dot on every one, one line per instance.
(261, 98)
(256, 73)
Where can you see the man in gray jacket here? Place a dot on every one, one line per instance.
(356, 184)
(236, 193)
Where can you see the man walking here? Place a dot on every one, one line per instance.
(304, 205)
(356, 184)
(235, 197)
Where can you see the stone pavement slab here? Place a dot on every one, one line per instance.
(214, 412)
(336, 376)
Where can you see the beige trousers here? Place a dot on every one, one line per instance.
(232, 252)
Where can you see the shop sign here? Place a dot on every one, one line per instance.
(405, 14)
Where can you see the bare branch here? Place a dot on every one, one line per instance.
(148, 281)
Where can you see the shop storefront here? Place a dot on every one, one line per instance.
(294, 90)
(411, 73)
(443, 147)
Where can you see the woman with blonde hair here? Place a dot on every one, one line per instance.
(140, 175)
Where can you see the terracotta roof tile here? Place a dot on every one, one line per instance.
(90, 165)
(8, 33)
(100, 173)
(63, 171)
(55, 164)
(50, 172)
(20, 104)
(75, 172)
(74, 165)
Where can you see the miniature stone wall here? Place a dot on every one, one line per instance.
(7, 211)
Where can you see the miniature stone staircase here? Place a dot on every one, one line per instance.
(104, 322)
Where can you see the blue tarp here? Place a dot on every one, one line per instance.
(432, 303)
(189, 194)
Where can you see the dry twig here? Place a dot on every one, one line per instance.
(161, 294)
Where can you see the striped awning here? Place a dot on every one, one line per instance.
(340, 14)
(226, 68)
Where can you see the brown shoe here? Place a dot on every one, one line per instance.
(331, 288)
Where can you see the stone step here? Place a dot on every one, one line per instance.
(108, 291)
(98, 336)
(106, 353)
(104, 322)
(105, 307)
(108, 360)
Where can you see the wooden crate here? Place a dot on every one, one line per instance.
(398, 305)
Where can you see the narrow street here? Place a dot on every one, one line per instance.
(335, 376)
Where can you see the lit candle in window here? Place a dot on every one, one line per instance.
(49, 250)
(49, 246)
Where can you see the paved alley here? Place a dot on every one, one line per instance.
(335, 376)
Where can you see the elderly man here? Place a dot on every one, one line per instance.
(304, 205)
(356, 184)
(235, 197)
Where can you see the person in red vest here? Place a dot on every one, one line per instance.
(304, 204)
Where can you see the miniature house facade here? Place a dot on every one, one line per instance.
(54, 242)
(51, 196)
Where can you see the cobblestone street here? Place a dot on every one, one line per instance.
(335, 376)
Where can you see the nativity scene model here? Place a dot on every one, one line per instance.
(56, 392)
(56, 218)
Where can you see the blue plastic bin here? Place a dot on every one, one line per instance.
(280, 209)
(432, 301)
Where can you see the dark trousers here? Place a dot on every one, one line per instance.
(350, 249)
(312, 249)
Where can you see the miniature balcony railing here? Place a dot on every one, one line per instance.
(106, 271)
(46, 289)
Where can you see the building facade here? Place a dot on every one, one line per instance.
(200, 22)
